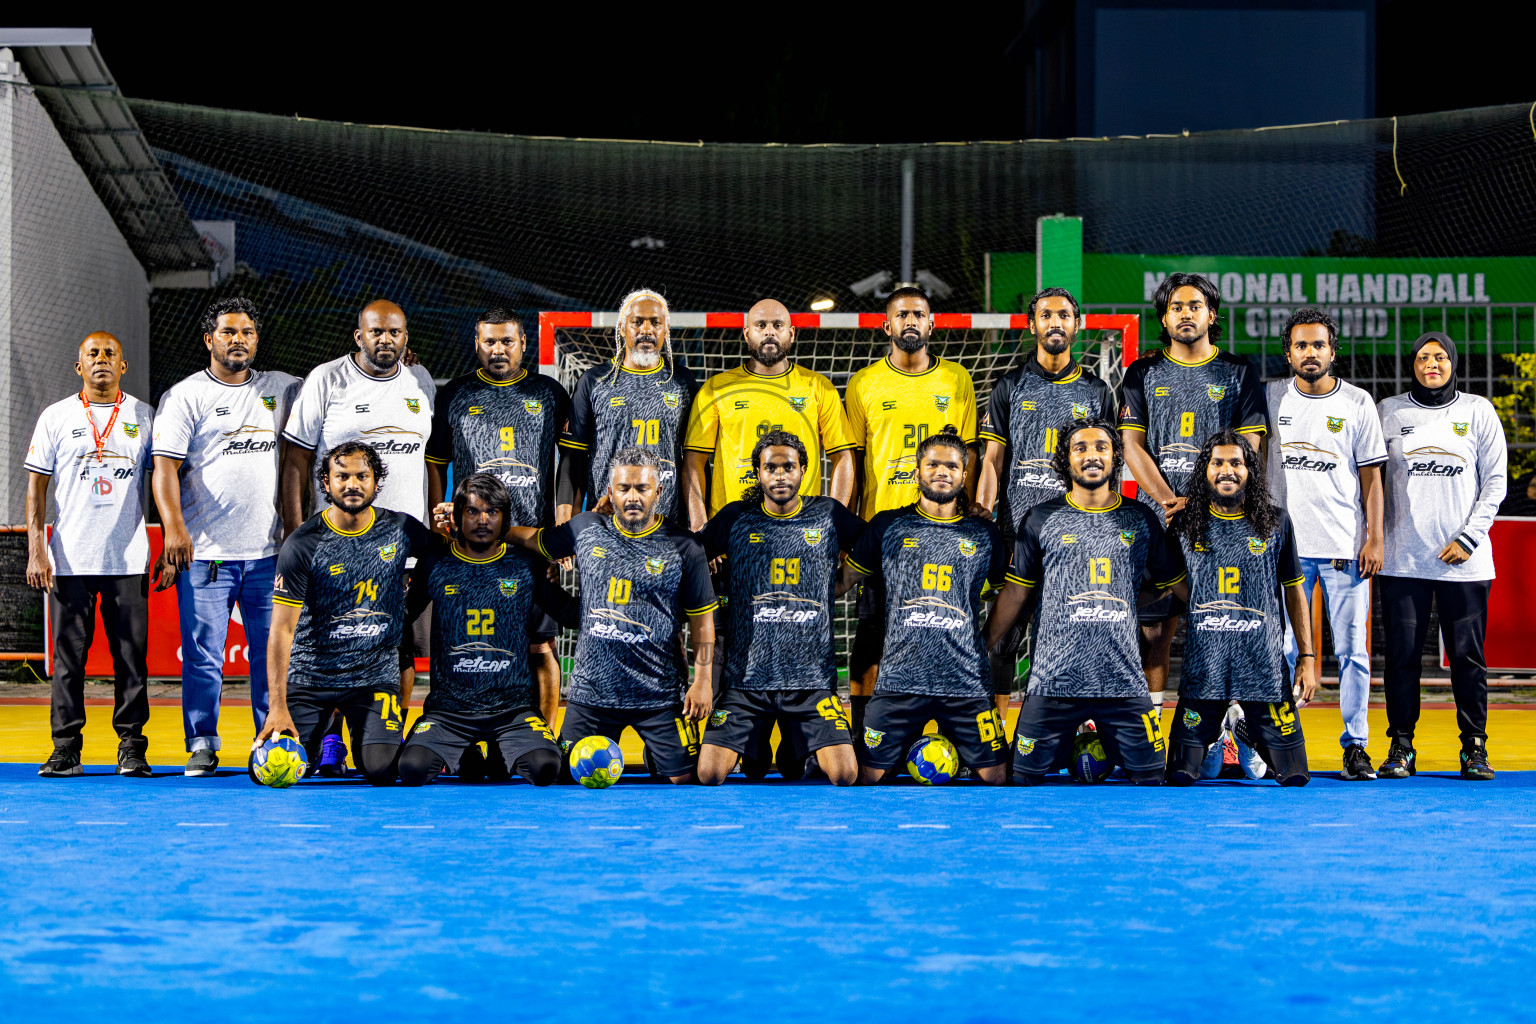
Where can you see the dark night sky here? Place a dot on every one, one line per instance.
(795, 72)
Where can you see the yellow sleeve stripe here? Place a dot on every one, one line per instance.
(842, 448)
(1021, 581)
(1292, 583)
(1133, 426)
(697, 448)
(288, 601)
(538, 539)
(1253, 430)
(564, 443)
(859, 568)
(1180, 578)
(438, 462)
(972, 440)
(700, 611)
(987, 435)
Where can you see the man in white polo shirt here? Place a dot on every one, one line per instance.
(95, 444)
(216, 460)
(372, 396)
(1325, 460)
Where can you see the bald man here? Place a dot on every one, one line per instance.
(370, 395)
(733, 409)
(96, 445)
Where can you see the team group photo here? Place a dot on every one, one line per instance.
(1021, 511)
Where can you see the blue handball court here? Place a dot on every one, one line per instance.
(216, 900)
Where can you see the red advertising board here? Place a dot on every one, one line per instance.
(1511, 644)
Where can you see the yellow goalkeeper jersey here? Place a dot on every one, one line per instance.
(735, 408)
(890, 411)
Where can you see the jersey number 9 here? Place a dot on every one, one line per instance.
(507, 439)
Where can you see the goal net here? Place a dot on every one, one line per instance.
(836, 345)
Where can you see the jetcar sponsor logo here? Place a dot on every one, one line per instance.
(246, 440)
(359, 624)
(1226, 617)
(511, 472)
(1177, 457)
(1097, 606)
(1432, 461)
(1307, 457)
(1036, 473)
(388, 440)
(479, 657)
(783, 606)
(932, 613)
(612, 625)
(903, 469)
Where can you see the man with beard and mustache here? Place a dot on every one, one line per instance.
(503, 420)
(893, 405)
(1326, 455)
(1023, 418)
(732, 412)
(1243, 581)
(339, 609)
(1173, 400)
(216, 466)
(939, 567)
(376, 396)
(642, 577)
(640, 397)
(1086, 559)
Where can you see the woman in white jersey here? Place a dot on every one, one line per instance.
(1446, 459)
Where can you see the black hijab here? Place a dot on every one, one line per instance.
(1445, 393)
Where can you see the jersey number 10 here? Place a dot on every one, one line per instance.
(618, 590)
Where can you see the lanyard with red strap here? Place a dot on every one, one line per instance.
(100, 436)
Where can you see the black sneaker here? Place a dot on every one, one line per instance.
(203, 762)
(1401, 762)
(133, 765)
(61, 764)
(1474, 764)
(1357, 764)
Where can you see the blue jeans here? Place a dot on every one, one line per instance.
(204, 607)
(1347, 603)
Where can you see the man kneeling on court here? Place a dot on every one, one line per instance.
(338, 612)
(483, 594)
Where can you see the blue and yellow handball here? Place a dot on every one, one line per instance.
(1090, 761)
(596, 762)
(933, 760)
(279, 762)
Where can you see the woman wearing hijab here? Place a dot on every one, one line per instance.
(1445, 477)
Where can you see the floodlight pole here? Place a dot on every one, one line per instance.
(907, 168)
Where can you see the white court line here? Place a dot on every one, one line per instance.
(202, 824)
(13, 821)
(1010, 825)
(101, 823)
(717, 828)
(1517, 824)
(615, 828)
(410, 826)
(922, 826)
(299, 825)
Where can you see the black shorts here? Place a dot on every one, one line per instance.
(372, 713)
(869, 634)
(515, 732)
(671, 739)
(416, 639)
(744, 719)
(1132, 735)
(1271, 725)
(894, 721)
(1169, 606)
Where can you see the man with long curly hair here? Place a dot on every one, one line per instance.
(1239, 552)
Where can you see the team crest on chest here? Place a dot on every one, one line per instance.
(967, 548)
(670, 400)
(132, 429)
(654, 566)
(1216, 392)
(1460, 428)
(1127, 537)
(813, 537)
(942, 401)
(413, 404)
(1257, 546)
(533, 405)
(270, 401)
(508, 588)
(1079, 411)
(1335, 424)
(798, 402)
(387, 552)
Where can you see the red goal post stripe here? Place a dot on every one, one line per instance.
(1128, 324)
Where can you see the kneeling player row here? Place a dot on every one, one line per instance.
(1080, 566)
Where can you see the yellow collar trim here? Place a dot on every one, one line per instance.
(788, 369)
(925, 515)
(1224, 515)
(799, 507)
(1168, 355)
(499, 383)
(1069, 378)
(660, 365)
(1108, 508)
(463, 557)
(655, 525)
(933, 364)
(372, 516)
